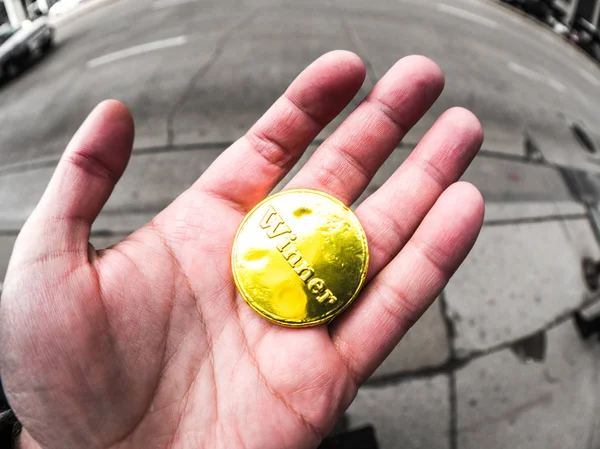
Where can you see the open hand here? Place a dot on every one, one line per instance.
(148, 344)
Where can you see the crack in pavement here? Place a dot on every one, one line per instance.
(202, 71)
(357, 43)
(456, 361)
(452, 389)
(512, 415)
(562, 218)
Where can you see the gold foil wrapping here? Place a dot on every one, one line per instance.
(300, 257)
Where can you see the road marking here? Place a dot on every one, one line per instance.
(589, 77)
(467, 15)
(137, 50)
(556, 85)
(159, 4)
(536, 76)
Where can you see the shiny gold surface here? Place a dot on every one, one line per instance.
(300, 257)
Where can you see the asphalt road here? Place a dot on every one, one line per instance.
(206, 69)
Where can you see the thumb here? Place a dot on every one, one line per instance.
(85, 177)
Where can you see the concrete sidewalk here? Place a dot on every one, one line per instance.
(458, 379)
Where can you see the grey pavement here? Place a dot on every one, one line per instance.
(425, 346)
(518, 279)
(415, 413)
(465, 376)
(504, 401)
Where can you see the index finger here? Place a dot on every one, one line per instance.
(248, 170)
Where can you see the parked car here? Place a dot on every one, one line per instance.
(34, 11)
(62, 7)
(587, 37)
(19, 45)
(541, 9)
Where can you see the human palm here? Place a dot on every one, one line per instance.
(148, 344)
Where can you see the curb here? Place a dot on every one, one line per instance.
(80, 11)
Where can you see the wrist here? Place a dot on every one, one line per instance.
(25, 441)
(12, 434)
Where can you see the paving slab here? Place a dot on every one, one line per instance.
(499, 180)
(414, 414)
(151, 182)
(554, 138)
(19, 194)
(506, 211)
(581, 239)
(505, 401)
(426, 345)
(518, 279)
(502, 180)
(583, 185)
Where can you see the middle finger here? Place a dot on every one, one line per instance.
(345, 163)
(391, 215)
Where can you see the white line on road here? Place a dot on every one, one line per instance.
(137, 50)
(556, 85)
(589, 77)
(159, 4)
(463, 14)
(531, 74)
(536, 76)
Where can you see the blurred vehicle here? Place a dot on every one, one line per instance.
(539, 9)
(588, 37)
(19, 45)
(34, 11)
(560, 28)
(563, 30)
(62, 7)
(543, 10)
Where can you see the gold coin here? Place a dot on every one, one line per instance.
(300, 257)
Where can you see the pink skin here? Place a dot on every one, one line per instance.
(148, 344)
